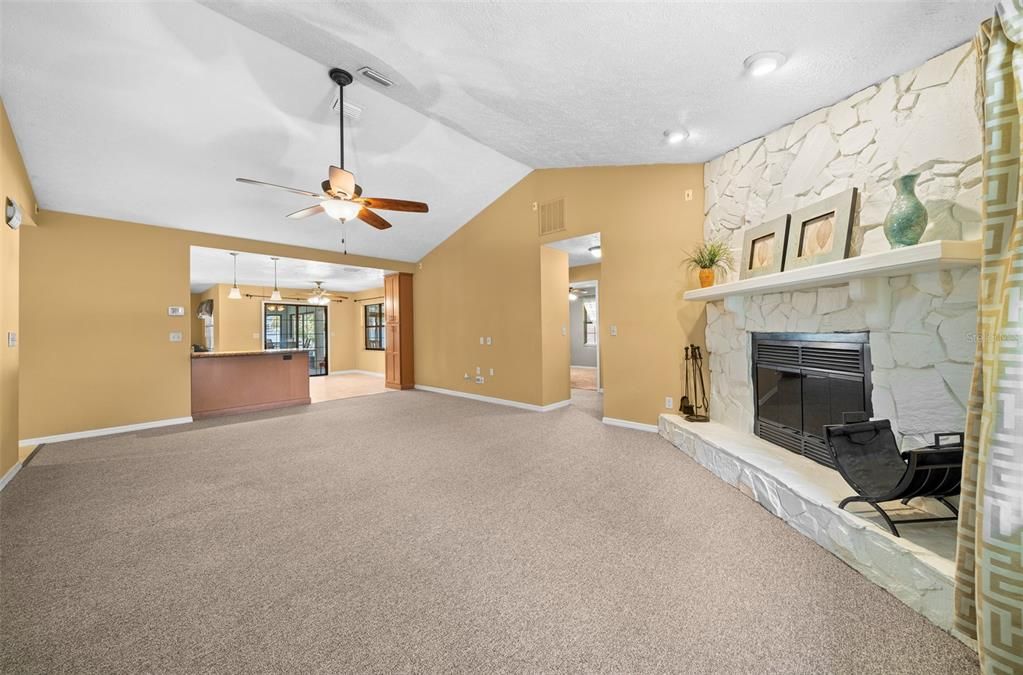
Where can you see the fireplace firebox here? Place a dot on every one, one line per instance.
(804, 381)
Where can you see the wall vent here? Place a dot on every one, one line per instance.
(552, 217)
(352, 112)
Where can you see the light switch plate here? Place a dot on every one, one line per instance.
(564, 329)
(176, 336)
(491, 372)
(478, 370)
(12, 339)
(175, 310)
(689, 195)
(669, 402)
(490, 340)
(481, 339)
(614, 330)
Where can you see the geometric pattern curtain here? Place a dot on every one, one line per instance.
(989, 552)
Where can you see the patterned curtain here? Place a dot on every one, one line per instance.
(989, 556)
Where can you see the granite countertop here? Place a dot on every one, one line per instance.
(252, 352)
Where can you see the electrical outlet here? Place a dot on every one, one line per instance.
(669, 403)
(614, 330)
(176, 336)
(564, 329)
(491, 372)
(479, 379)
(12, 339)
(689, 195)
(481, 340)
(478, 371)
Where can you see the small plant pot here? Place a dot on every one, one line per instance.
(706, 278)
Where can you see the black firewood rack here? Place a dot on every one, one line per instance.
(867, 455)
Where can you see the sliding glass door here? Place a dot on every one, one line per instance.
(298, 327)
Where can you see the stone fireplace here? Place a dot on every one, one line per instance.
(916, 324)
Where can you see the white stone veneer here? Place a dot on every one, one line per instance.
(922, 327)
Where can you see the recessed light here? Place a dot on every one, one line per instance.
(762, 63)
(676, 136)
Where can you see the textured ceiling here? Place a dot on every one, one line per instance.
(578, 249)
(211, 266)
(590, 83)
(148, 111)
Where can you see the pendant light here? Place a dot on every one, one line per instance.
(276, 295)
(235, 294)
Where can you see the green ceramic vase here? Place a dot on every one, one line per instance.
(907, 219)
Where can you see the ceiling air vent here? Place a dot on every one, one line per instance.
(352, 112)
(552, 217)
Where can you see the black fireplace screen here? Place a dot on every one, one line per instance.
(806, 380)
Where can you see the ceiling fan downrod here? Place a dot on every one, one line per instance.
(342, 78)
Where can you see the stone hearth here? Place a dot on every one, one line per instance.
(917, 568)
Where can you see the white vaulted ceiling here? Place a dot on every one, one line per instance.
(147, 111)
(555, 84)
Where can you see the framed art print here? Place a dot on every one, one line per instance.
(763, 248)
(820, 233)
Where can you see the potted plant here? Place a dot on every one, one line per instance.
(708, 257)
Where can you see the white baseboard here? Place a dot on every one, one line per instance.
(585, 367)
(107, 431)
(497, 401)
(356, 372)
(626, 424)
(9, 475)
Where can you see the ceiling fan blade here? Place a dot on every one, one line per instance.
(370, 218)
(394, 204)
(279, 187)
(305, 213)
(327, 190)
(342, 182)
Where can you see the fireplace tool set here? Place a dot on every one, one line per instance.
(694, 395)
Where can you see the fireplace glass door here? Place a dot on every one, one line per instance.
(804, 381)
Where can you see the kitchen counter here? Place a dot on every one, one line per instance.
(227, 383)
(253, 352)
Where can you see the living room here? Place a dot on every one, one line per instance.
(433, 337)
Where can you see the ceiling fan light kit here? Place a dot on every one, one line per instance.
(341, 197)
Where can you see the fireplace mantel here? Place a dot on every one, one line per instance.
(927, 257)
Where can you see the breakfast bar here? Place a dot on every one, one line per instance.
(226, 383)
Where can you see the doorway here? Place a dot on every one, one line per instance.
(584, 333)
(293, 326)
(583, 328)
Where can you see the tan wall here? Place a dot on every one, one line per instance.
(584, 273)
(83, 378)
(554, 338)
(370, 360)
(484, 280)
(238, 325)
(14, 183)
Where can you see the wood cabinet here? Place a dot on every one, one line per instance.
(398, 327)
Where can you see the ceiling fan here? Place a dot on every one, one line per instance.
(341, 197)
(318, 295)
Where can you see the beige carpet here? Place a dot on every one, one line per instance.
(419, 532)
(335, 387)
(584, 378)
